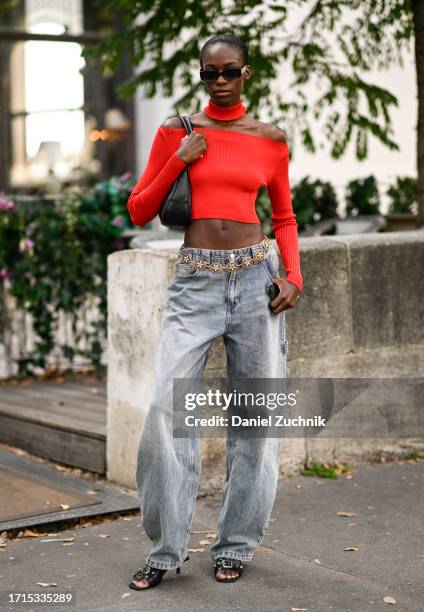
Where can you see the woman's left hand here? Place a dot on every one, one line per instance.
(287, 296)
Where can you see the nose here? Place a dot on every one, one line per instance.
(221, 79)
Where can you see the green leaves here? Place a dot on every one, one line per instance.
(403, 195)
(313, 201)
(63, 265)
(362, 197)
(314, 70)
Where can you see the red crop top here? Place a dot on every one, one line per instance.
(224, 184)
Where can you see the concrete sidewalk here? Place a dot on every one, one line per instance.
(302, 563)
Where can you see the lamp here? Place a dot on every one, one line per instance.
(50, 152)
(115, 128)
(116, 121)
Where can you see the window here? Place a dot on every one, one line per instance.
(47, 94)
(53, 104)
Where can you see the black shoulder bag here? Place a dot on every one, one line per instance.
(175, 211)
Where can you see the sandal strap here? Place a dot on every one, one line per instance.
(222, 563)
(148, 573)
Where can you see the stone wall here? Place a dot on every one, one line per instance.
(361, 314)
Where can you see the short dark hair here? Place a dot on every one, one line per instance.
(228, 39)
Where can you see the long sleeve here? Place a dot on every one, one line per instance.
(162, 168)
(283, 218)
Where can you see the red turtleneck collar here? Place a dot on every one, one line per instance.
(224, 113)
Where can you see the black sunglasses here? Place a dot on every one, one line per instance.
(229, 74)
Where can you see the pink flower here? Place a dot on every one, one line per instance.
(5, 202)
(125, 176)
(118, 244)
(26, 245)
(118, 222)
(4, 273)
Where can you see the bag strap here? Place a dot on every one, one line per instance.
(186, 122)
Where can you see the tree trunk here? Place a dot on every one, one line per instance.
(418, 16)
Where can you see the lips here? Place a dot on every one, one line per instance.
(222, 91)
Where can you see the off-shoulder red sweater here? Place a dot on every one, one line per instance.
(224, 184)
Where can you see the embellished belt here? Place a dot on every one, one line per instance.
(232, 265)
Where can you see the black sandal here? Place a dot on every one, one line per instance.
(153, 575)
(223, 563)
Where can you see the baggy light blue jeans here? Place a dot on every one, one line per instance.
(201, 306)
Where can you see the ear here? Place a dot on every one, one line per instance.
(247, 72)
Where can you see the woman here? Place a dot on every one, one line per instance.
(220, 288)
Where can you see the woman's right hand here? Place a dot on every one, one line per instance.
(192, 147)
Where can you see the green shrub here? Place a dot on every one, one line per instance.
(312, 201)
(362, 197)
(53, 256)
(403, 195)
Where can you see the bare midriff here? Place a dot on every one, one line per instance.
(222, 234)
